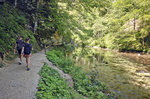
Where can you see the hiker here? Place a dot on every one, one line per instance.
(19, 45)
(27, 52)
(2, 56)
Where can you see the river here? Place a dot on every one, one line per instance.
(127, 75)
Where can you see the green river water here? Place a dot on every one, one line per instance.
(123, 74)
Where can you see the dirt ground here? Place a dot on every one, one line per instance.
(17, 83)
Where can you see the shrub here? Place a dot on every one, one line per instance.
(82, 83)
(53, 86)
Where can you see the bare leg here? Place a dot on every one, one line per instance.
(28, 61)
(20, 56)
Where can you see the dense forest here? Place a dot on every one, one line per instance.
(70, 28)
(115, 24)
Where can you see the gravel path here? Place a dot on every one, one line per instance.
(17, 83)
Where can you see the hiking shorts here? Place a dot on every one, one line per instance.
(19, 51)
(27, 55)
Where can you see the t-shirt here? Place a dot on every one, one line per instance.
(27, 48)
(20, 44)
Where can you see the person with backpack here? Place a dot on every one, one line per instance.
(19, 45)
(27, 52)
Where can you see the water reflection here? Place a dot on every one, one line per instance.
(124, 77)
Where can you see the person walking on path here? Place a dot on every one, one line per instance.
(19, 45)
(27, 52)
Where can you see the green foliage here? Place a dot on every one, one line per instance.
(124, 27)
(104, 23)
(82, 83)
(12, 25)
(119, 24)
(53, 86)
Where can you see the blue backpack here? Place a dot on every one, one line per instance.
(27, 48)
(20, 44)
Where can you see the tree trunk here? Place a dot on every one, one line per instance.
(15, 4)
(35, 17)
(35, 24)
(134, 23)
(134, 26)
(143, 43)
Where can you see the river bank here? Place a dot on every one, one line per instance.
(122, 75)
(140, 57)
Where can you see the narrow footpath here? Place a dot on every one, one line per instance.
(17, 83)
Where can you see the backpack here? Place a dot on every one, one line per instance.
(27, 48)
(20, 44)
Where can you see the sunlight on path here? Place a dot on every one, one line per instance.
(17, 83)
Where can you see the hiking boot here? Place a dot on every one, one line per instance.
(28, 69)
